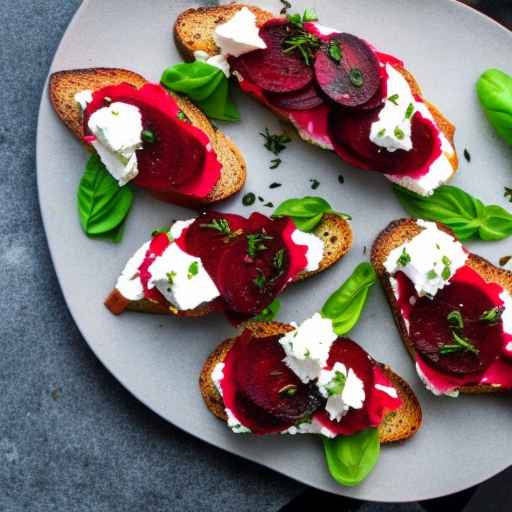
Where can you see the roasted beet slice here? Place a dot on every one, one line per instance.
(263, 377)
(350, 134)
(355, 79)
(157, 246)
(430, 329)
(304, 99)
(210, 234)
(178, 159)
(272, 69)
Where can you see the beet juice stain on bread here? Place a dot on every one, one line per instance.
(226, 262)
(310, 379)
(339, 91)
(453, 309)
(150, 137)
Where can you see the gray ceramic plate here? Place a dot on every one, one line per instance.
(447, 46)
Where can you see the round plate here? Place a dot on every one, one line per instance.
(446, 46)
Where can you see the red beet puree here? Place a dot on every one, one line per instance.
(430, 330)
(181, 159)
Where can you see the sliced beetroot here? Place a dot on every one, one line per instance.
(430, 329)
(355, 79)
(303, 99)
(263, 377)
(272, 69)
(350, 134)
(210, 234)
(179, 159)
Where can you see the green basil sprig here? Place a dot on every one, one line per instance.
(345, 305)
(351, 458)
(494, 89)
(466, 215)
(207, 86)
(103, 205)
(306, 212)
(269, 313)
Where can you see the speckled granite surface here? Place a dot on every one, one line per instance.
(71, 438)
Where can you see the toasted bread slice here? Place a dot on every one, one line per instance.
(64, 85)
(397, 426)
(333, 230)
(194, 31)
(399, 232)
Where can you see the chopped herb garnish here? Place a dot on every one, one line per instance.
(260, 199)
(288, 390)
(492, 316)
(504, 260)
(260, 281)
(159, 231)
(404, 259)
(248, 199)
(269, 205)
(399, 133)
(115, 113)
(467, 156)
(274, 185)
(334, 50)
(341, 179)
(181, 115)
(278, 259)
(337, 384)
(193, 269)
(170, 277)
(460, 344)
(410, 111)
(286, 5)
(309, 15)
(275, 142)
(455, 319)
(508, 193)
(431, 274)
(221, 225)
(148, 136)
(394, 99)
(446, 273)
(381, 132)
(314, 183)
(356, 77)
(275, 163)
(446, 261)
(256, 243)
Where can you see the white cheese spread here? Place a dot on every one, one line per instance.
(307, 347)
(83, 98)
(217, 375)
(429, 260)
(343, 390)
(118, 130)
(315, 246)
(128, 283)
(219, 61)
(234, 424)
(452, 394)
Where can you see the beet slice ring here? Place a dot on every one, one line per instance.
(272, 69)
(355, 79)
(430, 329)
(350, 135)
(304, 99)
(263, 377)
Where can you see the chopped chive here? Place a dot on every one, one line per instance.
(193, 269)
(394, 99)
(148, 136)
(409, 112)
(399, 133)
(269, 205)
(274, 185)
(356, 77)
(275, 163)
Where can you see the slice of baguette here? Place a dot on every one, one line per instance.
(63, 86)
(403, 230)
(334, 231)
(397, 426)
(194, 31)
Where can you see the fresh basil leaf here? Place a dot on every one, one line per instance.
(103, 205)
(306, 212)
(494, 89)
(345, 305)
(464, 214)
(206, 86)
(269, 313)
(350, 459)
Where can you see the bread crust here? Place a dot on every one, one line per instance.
(194, 28)
(397, 426)
(63, 86)
(403, 230)
(334, 231)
